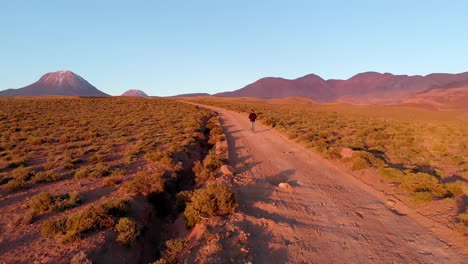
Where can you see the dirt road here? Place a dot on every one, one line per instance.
(327, 216)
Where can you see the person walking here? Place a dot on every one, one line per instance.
(252, 117)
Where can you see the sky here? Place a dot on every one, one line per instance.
(173, 47)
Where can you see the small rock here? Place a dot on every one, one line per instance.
(346, 152)
(227, 170)
(390, 203)
(284, 185)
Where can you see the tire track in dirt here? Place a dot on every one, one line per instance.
(327, 216)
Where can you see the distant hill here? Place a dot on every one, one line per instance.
(363, 87)
(64, 83)
(191, 95)
(444, 97)
(135, 93)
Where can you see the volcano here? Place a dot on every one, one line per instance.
(135, 93)
(62, 83)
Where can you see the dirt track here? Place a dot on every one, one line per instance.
(327, 216)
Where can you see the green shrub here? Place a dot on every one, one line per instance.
(81, 173)
(23, 173)
(45, 202)
(145, 182)
(463, 217)
(206, 170)
(41, 202)
(14, 185)
(112, 181)
(80, 258)
(182, 198)
(392, 174)
(173, 248)
(421, 197)
(89, 219)
(101, 170)
(455, 188)
(53, 227)
(214, 200)
(65, 201)
(363, 159)
(45, 176)
(332, 153)
(4, 178)
(116, 207)
(128, 230)
(423, 182)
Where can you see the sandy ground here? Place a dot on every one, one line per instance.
(326, 215)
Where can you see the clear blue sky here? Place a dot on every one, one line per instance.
(171, 47)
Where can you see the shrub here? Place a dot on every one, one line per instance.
(145, 182)
(182, 198)
(45, 176)
(23, 173)
(45, 202)
(173, 248)
(14, 185)
(101, 170)
(41, 202)
(81, 173)
(65, 201)
(206, 170)
(455, 188)
(215, 200)
(4, 178)
(112, 181)
(80, 258)
(423, 182)
(52, 227)
(128, 230)
(332, 153)
(421, 197)
(463, 217)
(116, 207)
(363, 159)
(392, 174)
(89, 219)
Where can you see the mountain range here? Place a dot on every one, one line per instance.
(363, 87)
(432, 90)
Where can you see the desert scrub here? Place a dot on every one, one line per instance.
(214, 200)
(146, 182)
(23, 173)
(392, 174)
(92, 218)
(101, 170)
(423, 182)
(4, 178)
(45, 176)
(182, 198)
(53, 227)
(14, 185)
(117, 207)
(463, 217)
(206, 170)
(128, 230)
(362, 159)
(174, 248)
(44, 202)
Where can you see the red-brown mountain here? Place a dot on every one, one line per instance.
(309, 86)
(135, 93)
(64, 83)
(361, 87)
